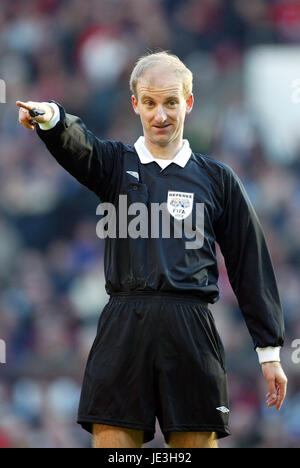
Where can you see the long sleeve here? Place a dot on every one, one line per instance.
(248, 263)
(87, 158)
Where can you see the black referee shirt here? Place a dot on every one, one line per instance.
(155, 263)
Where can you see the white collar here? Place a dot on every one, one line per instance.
(146, 157)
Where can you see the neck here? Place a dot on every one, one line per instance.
(168, 151)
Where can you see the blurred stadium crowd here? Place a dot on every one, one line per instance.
(81, 53)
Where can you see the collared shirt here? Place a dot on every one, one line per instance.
(181, 158)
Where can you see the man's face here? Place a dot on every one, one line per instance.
(161, 105)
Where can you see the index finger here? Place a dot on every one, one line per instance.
(26, 105)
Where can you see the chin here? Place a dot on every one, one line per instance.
(161, 142)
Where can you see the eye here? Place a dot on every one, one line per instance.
(172, 103)
(149, 103)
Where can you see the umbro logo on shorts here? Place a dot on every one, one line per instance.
(223, 409)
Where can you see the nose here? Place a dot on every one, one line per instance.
(161, 115)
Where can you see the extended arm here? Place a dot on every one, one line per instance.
(93, 162)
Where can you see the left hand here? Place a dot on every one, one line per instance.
(277, 383)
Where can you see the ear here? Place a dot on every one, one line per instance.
(189, 103)
(134, 102)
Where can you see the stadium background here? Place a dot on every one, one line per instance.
(81, 53)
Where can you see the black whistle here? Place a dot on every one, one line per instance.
(35, 113)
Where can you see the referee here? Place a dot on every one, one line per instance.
(157, 352)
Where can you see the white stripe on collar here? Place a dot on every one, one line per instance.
(146, 157)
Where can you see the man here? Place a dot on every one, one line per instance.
(157, 352)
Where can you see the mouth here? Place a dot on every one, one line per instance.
(162, 127)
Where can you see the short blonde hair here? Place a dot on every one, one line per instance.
(166, 59)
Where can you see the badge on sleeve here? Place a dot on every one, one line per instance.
(180, 204)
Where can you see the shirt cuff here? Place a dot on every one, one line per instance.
(268, 354)
(55, 119)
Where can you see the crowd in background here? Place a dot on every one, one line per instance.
(80, 53)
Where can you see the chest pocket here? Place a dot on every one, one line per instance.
(137, 193)
(132, 184)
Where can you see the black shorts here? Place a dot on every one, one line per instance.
(156, 356)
